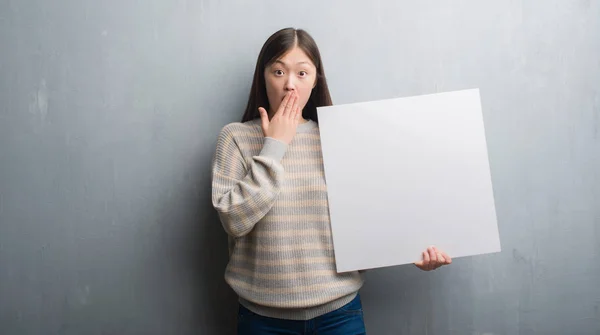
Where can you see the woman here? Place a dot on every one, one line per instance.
(269, 191)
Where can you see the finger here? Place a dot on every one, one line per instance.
(432, 257)
(289, 105)
(288, 98)
(284, 103)
(264, 117)
(438, 257)
(441, 259)
(294, 113)
(448, 258)
(426, 260)
(445, 259)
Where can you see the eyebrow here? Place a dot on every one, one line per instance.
(281, 62)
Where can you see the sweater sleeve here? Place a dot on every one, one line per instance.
(243, 193)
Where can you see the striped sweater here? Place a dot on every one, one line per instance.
(272, 202)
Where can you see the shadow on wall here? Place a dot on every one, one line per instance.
(200, 254)
(215, 301)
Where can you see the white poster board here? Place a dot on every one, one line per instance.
(403, 174)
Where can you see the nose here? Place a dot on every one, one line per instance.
(290, 85)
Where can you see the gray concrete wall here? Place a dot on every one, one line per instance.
(109, 112)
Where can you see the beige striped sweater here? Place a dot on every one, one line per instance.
(272, 202)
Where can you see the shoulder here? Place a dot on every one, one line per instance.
(241, 132)
(240, 129)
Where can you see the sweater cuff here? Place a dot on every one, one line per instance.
(273, 148)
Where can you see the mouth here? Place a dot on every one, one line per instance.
(285, 95)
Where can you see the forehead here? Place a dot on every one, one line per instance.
(293, 57)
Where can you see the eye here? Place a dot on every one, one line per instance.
(278, 72)
(303, 73)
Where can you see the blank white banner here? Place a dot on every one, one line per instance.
(403, 174)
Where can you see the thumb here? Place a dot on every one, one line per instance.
(264, 119)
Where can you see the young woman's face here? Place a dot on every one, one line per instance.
(294, 71)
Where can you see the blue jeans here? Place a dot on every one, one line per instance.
(346, 320)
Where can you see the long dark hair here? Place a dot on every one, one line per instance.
(275, 46)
